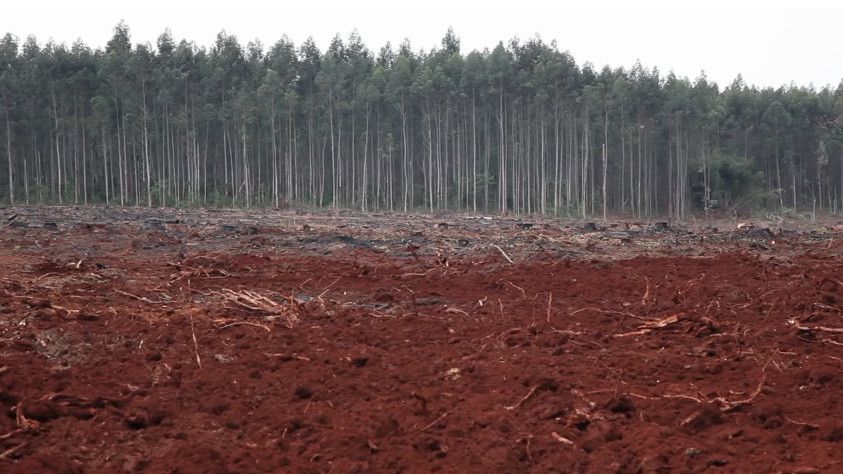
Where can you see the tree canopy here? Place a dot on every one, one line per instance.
(519, 128)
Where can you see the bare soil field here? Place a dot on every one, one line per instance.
(228, 341)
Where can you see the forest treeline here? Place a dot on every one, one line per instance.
(520, 128)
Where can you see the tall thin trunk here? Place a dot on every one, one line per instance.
(146, 149)
(365, 184)
(9, 157)
(605, 158)
(473, 153)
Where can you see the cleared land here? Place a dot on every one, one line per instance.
(223, 341)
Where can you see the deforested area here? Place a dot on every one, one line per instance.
(263, 341)
(585, 238)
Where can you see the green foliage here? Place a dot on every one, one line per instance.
(736, 185)
(219, 122)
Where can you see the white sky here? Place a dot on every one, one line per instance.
(771, 43)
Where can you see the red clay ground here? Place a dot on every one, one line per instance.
(226, 342)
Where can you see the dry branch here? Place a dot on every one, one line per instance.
(649, 326)
(256, 302)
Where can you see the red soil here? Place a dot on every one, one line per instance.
(379, 358)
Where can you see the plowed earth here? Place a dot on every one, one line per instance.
(280, 342)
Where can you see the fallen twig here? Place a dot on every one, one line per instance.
(503, 253)
(244, 323)
(430, 425)
(682, 396)
(523, 399)
(69, 312)
(22, 421)
(732, 405)
(726, 405)
(609, 311)
(195, 342)
(635, 333)
(456, 310)
(649, 326)
(815, 328)
(141, 298)
(12, 450)
(325, 290)
(11, 433)
(290, 356)
(809, 425)
(526, 438)
(561, 438)
(524, 293)
(829, 307)
(646, 292)
(554, 328)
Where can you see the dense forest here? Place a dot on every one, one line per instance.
(520, 128)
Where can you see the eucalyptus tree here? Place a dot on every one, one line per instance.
(8, 99)
(399, 90)
(519, 128)
(500, 71)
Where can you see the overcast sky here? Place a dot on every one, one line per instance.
(770, 42)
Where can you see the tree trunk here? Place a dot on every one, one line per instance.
(9, 157)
